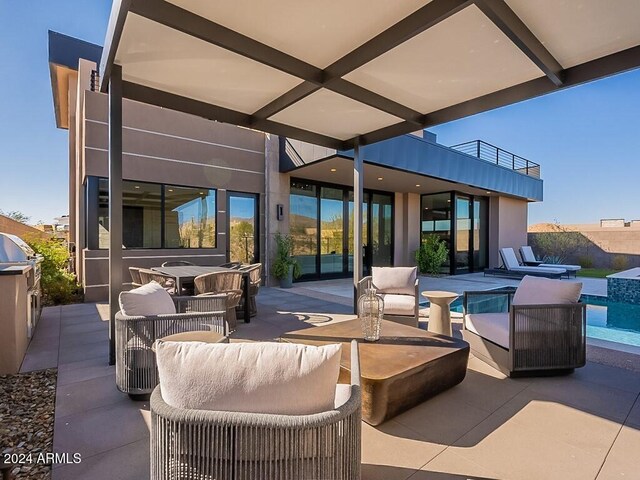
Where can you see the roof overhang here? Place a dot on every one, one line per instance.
(333, 73)
(413, 165)
(64, 55)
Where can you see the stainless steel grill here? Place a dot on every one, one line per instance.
(16, 253)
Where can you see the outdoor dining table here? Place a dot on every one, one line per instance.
(187, 273)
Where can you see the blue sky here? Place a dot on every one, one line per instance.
(587, 139)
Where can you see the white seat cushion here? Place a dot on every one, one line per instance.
(568, 268)
(492, 326)
(265, 377)
(546, 291)
(399, 280)
(149, 299)
(395, 304)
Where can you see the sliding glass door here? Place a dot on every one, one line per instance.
(321, 225)
(461, 221)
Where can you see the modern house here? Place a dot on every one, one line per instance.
(210, 192)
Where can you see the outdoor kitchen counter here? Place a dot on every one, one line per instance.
(14, 269)
(13, 317)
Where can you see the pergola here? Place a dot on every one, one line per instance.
(346, 73)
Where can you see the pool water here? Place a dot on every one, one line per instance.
(610, 321)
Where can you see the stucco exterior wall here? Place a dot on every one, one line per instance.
(507, 226)
(164, 146)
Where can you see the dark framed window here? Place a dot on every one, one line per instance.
(153, 215)
(321, 224)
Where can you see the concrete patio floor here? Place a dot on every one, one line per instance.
(582, 426)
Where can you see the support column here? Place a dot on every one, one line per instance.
(358, 195)
(115, 202)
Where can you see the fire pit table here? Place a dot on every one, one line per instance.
(401, 370)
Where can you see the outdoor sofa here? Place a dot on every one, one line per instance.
(538, 328)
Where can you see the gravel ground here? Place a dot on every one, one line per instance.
(27, 403)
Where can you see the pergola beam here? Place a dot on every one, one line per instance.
(419, 21)
(115, 203)
(510, 24)
(161, 98)
(313, 77)
(597, 69)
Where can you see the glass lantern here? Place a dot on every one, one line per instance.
(370, 310)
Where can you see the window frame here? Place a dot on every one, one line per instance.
(92, 194)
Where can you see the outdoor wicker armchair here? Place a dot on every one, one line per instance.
(398, 307)
(203, 444)
(524, 340)
(136, 369)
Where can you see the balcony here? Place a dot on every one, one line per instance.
(498, 156)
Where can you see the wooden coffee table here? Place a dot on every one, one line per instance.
(401, 370)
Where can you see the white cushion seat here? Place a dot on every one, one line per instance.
(568, 268)
(265, 377)
(491, 326)
(398, 280)
(545, 291)
(148, 300)
(396, 304)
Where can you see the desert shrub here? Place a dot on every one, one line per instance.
(585, 261)
(431, 255)
(559, 245)
(620, 262)
(59, 286)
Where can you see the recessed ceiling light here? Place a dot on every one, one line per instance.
(488, 192)
(426, 208)
(417, 184)
(201, 193)
(379, 178)
(171, 189)
(449, 201)
(137, 186)
(333, 170)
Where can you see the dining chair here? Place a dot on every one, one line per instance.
(166, 281)
(135, 277)
(215, 283)
(255, 279)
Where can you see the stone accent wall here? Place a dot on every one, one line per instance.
(623, 290)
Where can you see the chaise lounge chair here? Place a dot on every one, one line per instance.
(512, 268)
(529, 259)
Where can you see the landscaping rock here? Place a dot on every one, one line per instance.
(27, 403)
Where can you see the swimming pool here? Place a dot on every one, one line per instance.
(608, 321)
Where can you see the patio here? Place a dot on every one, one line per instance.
(583, 426)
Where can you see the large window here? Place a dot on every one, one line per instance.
(189, 217)
(153, 215)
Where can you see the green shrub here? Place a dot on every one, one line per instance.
(585, 261)
(59, 286)
(432, 255)
(284, 259)
(620, 262)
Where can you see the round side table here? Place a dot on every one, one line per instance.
(439, 311)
